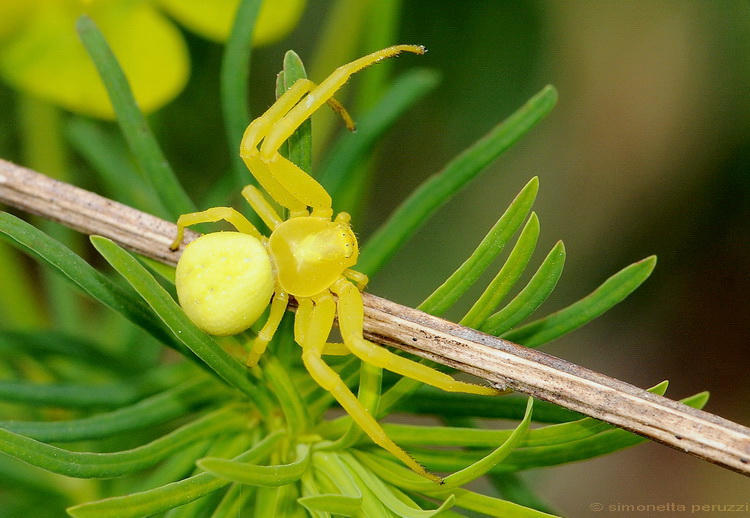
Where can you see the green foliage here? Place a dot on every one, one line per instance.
(196, 433)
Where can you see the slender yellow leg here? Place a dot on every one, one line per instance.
(351, 315)
(262, 172)
(336, 349)
(294, 180)
(227, 214)
(300, 185)
(320, 319)
(278, 306)
(315, 99)
(302, 320)
(261, 207)
(275, 179)
(259, 127)
(359, 278)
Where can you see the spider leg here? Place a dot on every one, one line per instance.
(336, 349)
(291, 178)
(359, 278)
(261, 207)
(320, 319)
(351, 317)
(315, 99)
(278, 306)
(211, 215)
(264, 169)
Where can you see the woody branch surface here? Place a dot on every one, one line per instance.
(502, 363)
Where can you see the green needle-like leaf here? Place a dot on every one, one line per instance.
(202, 345)
(333, 504)
(235, 65)
(110, 465)
(287, 394)
(54, 344)
(299, 144)
(166, 497)
(80, 395)
(561, 444)
(531, 297)
(132, 122)
(336, 476)
(404, 478)
(255, 475)
(386, 495)
(507, 277)
(156, 409)
(490, 247)
(52, 253)
(438, 189)
(610, 293)
(453, 436)
(432, 401)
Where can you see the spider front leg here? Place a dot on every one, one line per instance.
(351, 323)
(213, 215)
(315, 322)
(278, 308)
(289, 185)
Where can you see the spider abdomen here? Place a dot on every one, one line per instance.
(224, 282)
(310, 253)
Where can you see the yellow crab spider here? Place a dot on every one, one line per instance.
(225, 280)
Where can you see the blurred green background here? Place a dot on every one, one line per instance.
(647, 152)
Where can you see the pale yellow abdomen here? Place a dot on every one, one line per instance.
(224, 282)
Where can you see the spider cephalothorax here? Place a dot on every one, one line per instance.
(225, 279)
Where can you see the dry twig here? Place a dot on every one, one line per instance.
(503, 363)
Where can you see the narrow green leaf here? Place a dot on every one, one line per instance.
(531, 297)
(80, 395)
(172, 495)
(432, 401)
(48, 344)
(132, 122)
(386, 495)
(368, 394)
(593, 440)
(299, 144)
(490, 506)
(490, 247)
(329, 467)
(287, 394)
(438, 189)
(351, 150)
(255, 475)
(610, 293)
(202, 345)
(507, 277)
(335, 504)
(52, 253)
(110, 465)
(159, 408)
(453, 436)
(233, 83)
(404, 478)
(234, 501)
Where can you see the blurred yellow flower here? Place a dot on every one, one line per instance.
(40, 53)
